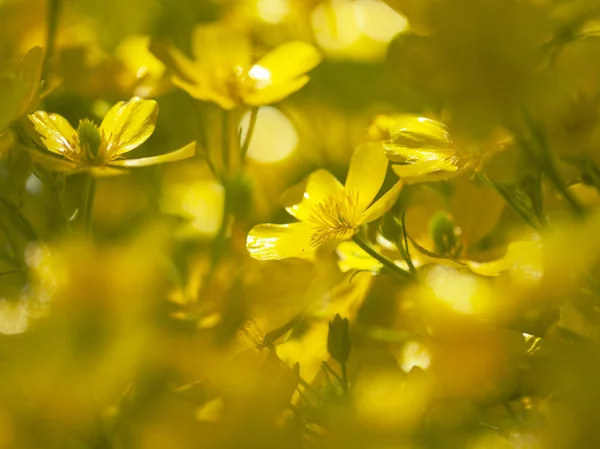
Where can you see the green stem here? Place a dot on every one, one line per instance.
(89, 204)
(250, 133)
(345, 378)
(60, 201)
(226, 145)
(408, 258)
(547, 162)
(53, 8)
(382, 259)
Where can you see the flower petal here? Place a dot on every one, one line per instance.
(287, 62)
(221, 48)
(276, 241)
(274, 93)
(298, 199)
(206, 90)
(178, 63)
(383, 204)
(366, 173)
(183, 153)
(280, 73)
(129, 124)
(426, 171)
(57, 134)
(353, 257)
(48, 160)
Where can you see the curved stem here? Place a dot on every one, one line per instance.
(53, 9)
(250, 133)
(89, 204)
(387, 263)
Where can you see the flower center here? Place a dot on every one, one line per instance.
(90, 142)
(336, 217)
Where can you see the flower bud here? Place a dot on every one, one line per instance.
(338, 339)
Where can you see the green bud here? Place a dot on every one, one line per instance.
(338, 339)
(90, 139)
(445, 235)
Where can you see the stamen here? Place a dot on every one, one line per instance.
(335, 217)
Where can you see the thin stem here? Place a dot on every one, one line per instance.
(225, 144)
(53, 8)
(89, 204)
(384, 260)
(409, 261)
(549, 167)
(345, 378)
(250, 133)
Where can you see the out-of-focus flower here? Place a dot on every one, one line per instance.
(19, 88)
(143, 72)
(224, 72)
(422, 149)
(100, 150)
(328, 212)
(356, 29)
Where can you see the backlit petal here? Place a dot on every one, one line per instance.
(56, 133)
(49, 161)
(183, 153)
(275, 92)
(178, 63)
(276, 241)
(129, 124)
(383, 204)
(286, 63)
(366, 173)
(300, 198)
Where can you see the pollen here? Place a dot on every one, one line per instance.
(336, 217)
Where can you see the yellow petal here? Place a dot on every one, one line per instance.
(281, 72)
(183, 153)
(383, 204)
(275, 92)
(56, 133)
(275, 241)
(366, 173)
(206, 90)
(181, 66)
(129, 124)
(353, 257)
(287, 62)
(105, 171)
(300, 198)
(412, 131)
(426, 171)
(49, 161)
(221, 48)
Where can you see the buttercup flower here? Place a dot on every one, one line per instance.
(100, 149)
(423, 150)
(225, 73)
(329, 212)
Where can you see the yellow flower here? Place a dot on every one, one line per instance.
(225, 73)
(329, 212)
(100, 149)
(423, 149)
(19, 90)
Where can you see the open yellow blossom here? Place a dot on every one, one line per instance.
(329, 212)
(225, 73)
(100, 149)
(423, 149)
